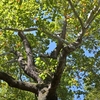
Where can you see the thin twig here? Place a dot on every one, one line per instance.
(76, 14)
(16, 30)
(6, 53)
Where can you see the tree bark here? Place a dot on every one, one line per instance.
(45, 95)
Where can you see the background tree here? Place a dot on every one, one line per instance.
(27, 29)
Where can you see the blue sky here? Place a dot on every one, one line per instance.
(51, 47)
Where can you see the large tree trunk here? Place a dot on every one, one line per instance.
(45, 95)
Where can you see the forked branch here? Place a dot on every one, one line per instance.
(58, 73)
(57, 50)
(29, 66)
(92, 15)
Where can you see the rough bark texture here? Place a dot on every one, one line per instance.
(45, 95)
(46, 90)
(18, 84)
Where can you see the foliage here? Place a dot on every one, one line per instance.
(42, 22)
(7, 93)
(93, 94)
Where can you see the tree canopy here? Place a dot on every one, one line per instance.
(28, 27)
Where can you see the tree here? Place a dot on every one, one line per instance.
(93, 95)
(26, 30)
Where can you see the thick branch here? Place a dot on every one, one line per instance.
(73, 46)
(92, 15)
(56, 37)
(76, 14)
(62, 35)
(47, 56)
(30, 68)
(60, 43)
(18, 84)
(57, 75)
(27, 46)
(62, 59)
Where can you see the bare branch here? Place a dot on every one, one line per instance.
(18, 84)
(91, 16)
(56, 37)
(76, 14)
(30, 29)
(73, 46)
(29, 66)
(30, 59)
(47, 56)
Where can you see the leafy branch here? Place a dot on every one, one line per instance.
(93, 13)
(17, 30)
(69, 48)
(59, 50)
(76, 14)
(54, 36)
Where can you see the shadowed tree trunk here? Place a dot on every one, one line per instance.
(45, 95)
